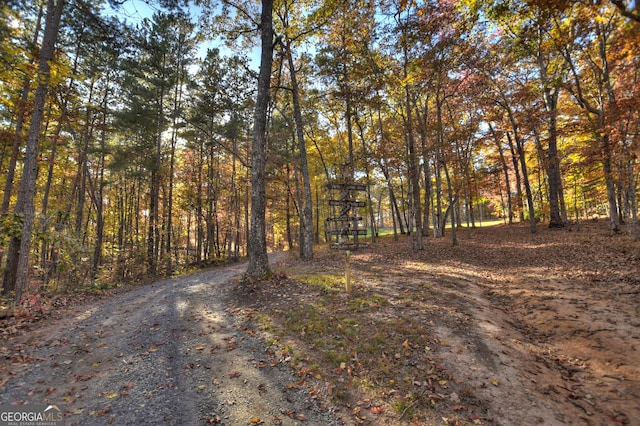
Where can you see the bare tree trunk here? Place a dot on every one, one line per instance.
(635, 230)
(17, 274)
(505, 170)
(516, 169)
(527, 185)
(82, 162)
(20, 116)
(97, 250)
(306, 249)
(414, 171)
(554, 177)
(153, 237)
(365, 154)
(199, 209)
(438, 219)
(451, 208)
(258, 268)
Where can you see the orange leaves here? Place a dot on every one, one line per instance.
(406, 345)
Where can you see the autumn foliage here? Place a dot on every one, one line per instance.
(452, 113)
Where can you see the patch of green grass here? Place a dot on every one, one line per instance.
(328, 283)
(404, 406)
(336, 358)
(373, 345)
(368, 301)
(348, 327)
(365, 382)
(305, 319)
(263, 320)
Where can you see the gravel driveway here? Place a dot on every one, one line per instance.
(167, 353)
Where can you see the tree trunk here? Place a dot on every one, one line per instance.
(306, 249)
(395, 210)
(635, 230)
(367, 173)
(505, 170)
(525, 179)
(153, 237)
(17, 274)
(20, 116)
(516, 169)
(550, 96)
(81, 179)
(451, 208)
(414, 171)
(438, 219)
(258, 268)
(199, 209)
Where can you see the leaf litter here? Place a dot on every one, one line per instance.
(506, 328)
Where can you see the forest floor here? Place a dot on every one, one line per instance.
(506, 328)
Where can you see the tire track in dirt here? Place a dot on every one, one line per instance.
(494, 360)
(587, 340)
(545, 329)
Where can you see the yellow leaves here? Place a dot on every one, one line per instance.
(113, 395)
(494, 382)
(406, 345)
(409, 80)
(255, 420)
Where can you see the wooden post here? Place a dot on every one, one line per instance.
(348, 272)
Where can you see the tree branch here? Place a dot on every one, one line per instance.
(626, 12)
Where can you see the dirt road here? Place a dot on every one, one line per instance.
(166, 353)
